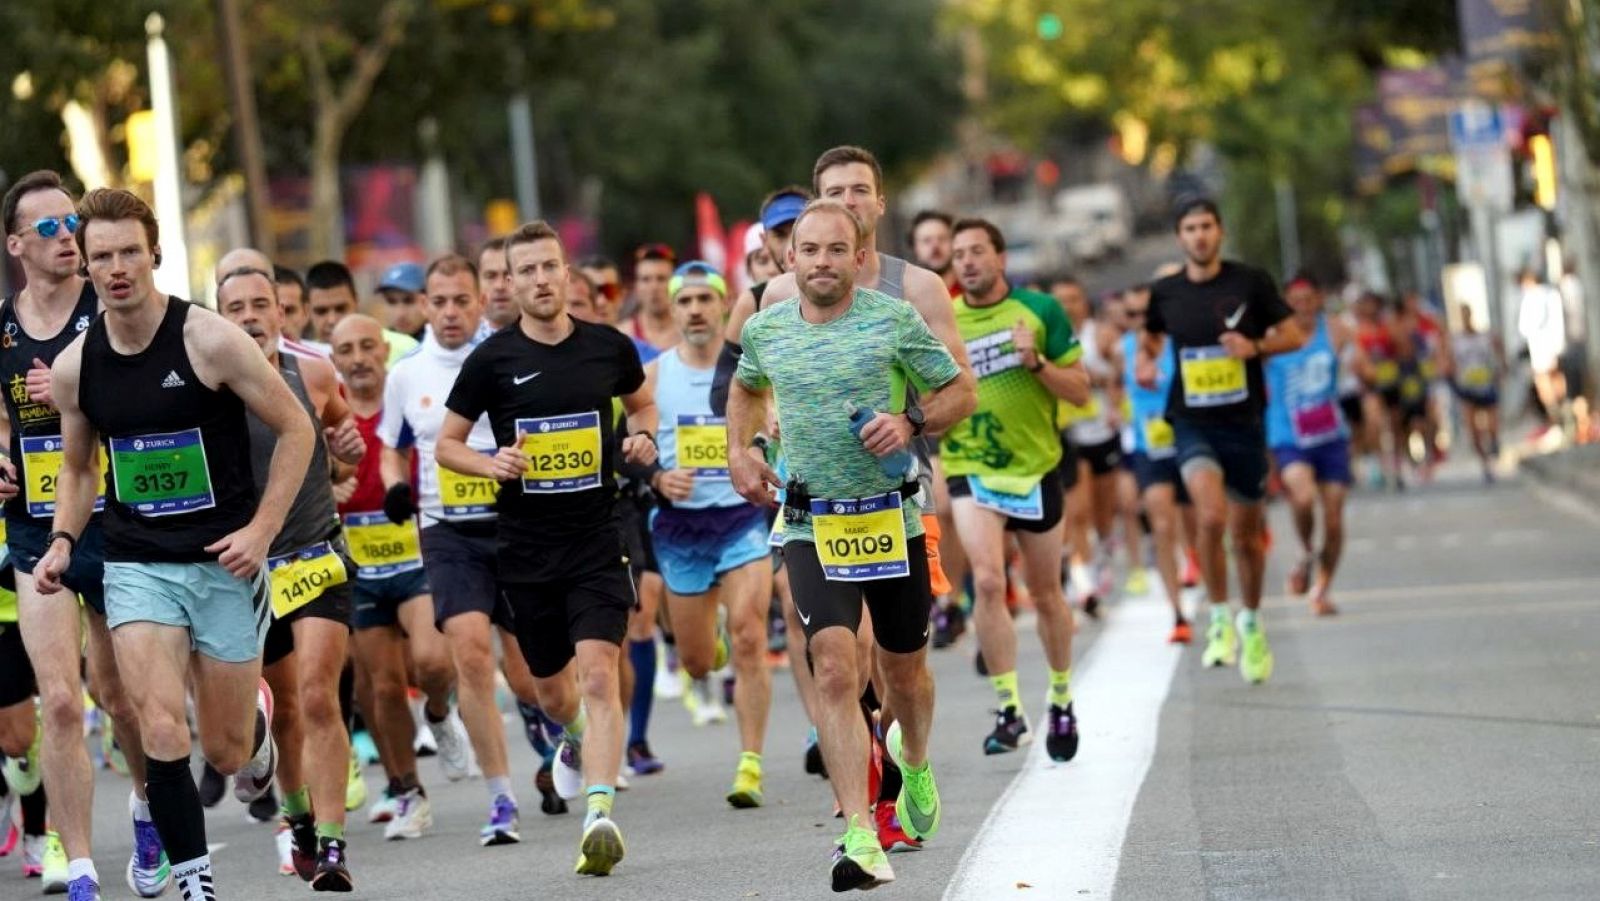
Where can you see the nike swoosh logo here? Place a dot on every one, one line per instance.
(1232, 322)
(804, 620)
(519, 379)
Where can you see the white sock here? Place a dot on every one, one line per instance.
(499, 785)
(81, 867)
(193, 879)
(139, 809)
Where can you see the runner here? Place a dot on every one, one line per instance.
(759, 264)
(711, 545)
(559, 548)
(930, 243)
(167, 385)
(1310, 440)
(331, 296)
(1382, 397)
(401, 290)
(35, 326)
(1001, 465)
(292, 297)
(20, 778)
(836, 344)
(1222, 318)
(499, 310)
(308, 641)
(1480, 365)
(393, 619)
(457, 538)
(607, 285)
(1154, 457)
(651, 322)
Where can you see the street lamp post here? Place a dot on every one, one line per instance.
(173, 276)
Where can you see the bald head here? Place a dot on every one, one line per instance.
(242, 258)
(359, 353)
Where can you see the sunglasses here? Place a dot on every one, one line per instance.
(50, 226)
(609, 290)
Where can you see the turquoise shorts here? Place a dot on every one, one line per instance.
(226, 616)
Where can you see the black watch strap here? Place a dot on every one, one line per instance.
(51, 539)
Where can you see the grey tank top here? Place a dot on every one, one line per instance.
(312, 517)
(892, 276)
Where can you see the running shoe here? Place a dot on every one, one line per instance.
(669, 676)
(949, 622)
(891, 837)
(600, 849)
(32, 856)
(9, 833)
(1182, 633)
(1061, 742)
(1300, 576)
(355, 787)
(1010, 732)
(333, 870)
(413, 814)
(534, 730)
(1138, 582)
(302, 845)
(1322, 605)
(746, 791)
(641, 762)
(502, 826)
(263, 809)
(422, 742)
(365, 749)
(979, 664)
(859, 861)
(148, 873)
(84, 888)
(566, 772)
(705, 708)
(1191, 569)
(450, 737)
(544, 781)
(285, 841)
(213, 785)
(1255, 665)
(23, 774)
(814, 763)
(1091, 606)
(724, 648)
(53, 867)
(1222, 644)
(382, 810)
(255, 777)
(917, 808)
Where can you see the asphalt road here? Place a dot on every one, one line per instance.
(1438, 739)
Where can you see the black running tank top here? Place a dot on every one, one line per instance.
(38, 426)
(179, 451)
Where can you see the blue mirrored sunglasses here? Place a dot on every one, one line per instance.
(50, 226)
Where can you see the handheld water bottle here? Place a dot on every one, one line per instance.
(897, 464)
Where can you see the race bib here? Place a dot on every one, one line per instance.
(464, 495)
(1071, 414)
(775, 534)
(1211, 378)
(1159, 441)
(861, 540)
(1011, 500)
(41, 469)
(300, 578)
(163, 474)
(1412, 389)
(1478, 378)
(1315, 424)
(382, 548)
(703, 445)
(563, 453)
(1385, 373)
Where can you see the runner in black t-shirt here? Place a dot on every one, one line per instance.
(547, 386)
(1223, 317)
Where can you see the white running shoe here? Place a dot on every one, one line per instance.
(707, 707)
(455, 757)
(285, 839)
(424, 744)
(566, 771)
(412, 815)
(383, 809)
(255, 777)
(669, 679)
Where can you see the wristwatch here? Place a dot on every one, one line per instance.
(918, 421)
(1038, 365)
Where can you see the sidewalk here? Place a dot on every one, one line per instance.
(1575, 470)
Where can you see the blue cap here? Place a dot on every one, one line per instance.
(782, 210)
(402, 277)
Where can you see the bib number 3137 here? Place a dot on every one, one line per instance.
(861, 540)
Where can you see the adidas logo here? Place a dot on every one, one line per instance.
(173, 380)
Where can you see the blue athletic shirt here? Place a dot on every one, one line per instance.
(684, 393)
(1303, 394)
(1149, 404)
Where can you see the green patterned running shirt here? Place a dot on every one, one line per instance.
(1014, 431)
(865, 357)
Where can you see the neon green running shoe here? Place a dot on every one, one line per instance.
(1222, 644)
(859, 861)
(601, 848)
(1138, 582)
(1256, 663)
(55, 875)
(746, 791)
(918, 805)
(724, 650)
(355, 789)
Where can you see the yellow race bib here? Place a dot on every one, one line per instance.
(382, 548)
(563, 453)
(41, 471)
(1477, 377)
(464, 495)
(1211, 378)
(1159, 441)
(1385, 373)
(861, 540)
(300, 578)
(703, 445)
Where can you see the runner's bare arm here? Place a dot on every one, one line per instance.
(1285, 337)
(394, 466)
(948, 404)
(747, 466)
(643, 420)
(926, 292)
(743, 308)
(452, 452)
(76, 483)
(345, 444)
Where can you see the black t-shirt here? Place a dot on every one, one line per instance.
(561, 523)
(1207, 385)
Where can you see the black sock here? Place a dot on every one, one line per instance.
(34, 821)
(175, 808)
(889, 786)
(347, 705)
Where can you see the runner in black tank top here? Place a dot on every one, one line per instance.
(166, 384)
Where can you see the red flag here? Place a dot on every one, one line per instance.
(713, 240)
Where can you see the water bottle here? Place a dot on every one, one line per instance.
(897, 464)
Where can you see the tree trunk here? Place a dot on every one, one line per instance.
(327, 208)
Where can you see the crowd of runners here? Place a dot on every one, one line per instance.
(259, 530)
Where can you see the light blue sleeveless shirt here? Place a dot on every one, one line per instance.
(683, 395)
(1303, 394)
(1147, 403)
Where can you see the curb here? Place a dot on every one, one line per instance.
(1574, 471)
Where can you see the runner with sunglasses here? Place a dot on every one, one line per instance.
(36, 325)
(652, 321)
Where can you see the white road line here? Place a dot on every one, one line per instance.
(1059, 828)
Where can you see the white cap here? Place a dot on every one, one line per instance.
(752, 238)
